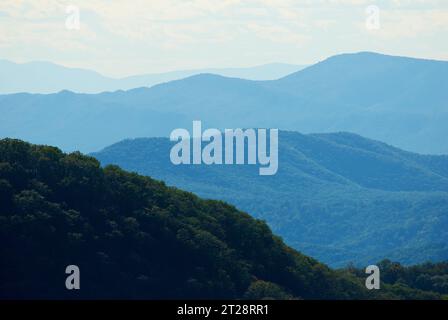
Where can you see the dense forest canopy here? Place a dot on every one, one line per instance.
(134, 237)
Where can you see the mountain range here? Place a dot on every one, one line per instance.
(401, 101)
(339, 197)
(47, 77)
(348, 196)
(132, 237)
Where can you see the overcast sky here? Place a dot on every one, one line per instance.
(124, 37)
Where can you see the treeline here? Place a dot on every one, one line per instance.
(429, 277)
(135, 238)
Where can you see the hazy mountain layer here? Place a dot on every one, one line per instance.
(46, 77)
(401, 101)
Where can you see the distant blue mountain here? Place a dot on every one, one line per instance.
(402, 101)
(46, 77)
(338, 197)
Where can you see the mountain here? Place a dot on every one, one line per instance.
(338, 197)
(401, 101)
(46, 77)
(133, 237)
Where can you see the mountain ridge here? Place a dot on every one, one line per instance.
(373, 204)
(24, 77)
(133, 237)
(386, 104)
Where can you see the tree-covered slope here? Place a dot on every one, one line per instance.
(338, 197)
(134, 237)
(425, 277)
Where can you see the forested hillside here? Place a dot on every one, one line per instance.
(338, 197)
(428, 276)
(134, 237)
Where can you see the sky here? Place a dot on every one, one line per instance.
(125, 37)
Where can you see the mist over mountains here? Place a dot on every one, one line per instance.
(401, 101)
(338, 197)
(47, 77)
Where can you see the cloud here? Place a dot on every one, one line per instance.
(277, 33)
(190, 32)
(399, 24)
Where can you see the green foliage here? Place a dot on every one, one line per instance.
(427, 280)
(262, 290)
(134, 237)
(338, 197)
